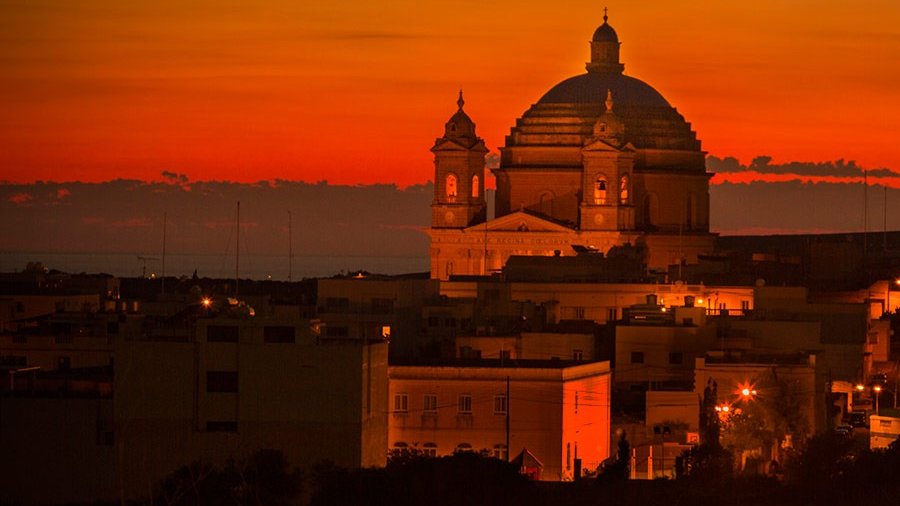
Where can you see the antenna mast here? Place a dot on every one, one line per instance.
(237, 253)
(162, 289)
(290, 248)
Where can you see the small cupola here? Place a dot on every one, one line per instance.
(460, 125)
(605, 49)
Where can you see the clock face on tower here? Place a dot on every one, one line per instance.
(449, 217)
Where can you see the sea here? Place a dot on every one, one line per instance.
(259, 267)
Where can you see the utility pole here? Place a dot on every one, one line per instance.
(508, 406)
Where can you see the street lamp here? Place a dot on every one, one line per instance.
(877, 390)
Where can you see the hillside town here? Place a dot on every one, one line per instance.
(590, 321)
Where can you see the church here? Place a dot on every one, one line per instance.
(602, 160)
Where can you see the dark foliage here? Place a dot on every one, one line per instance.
(264, 479)
(464, 478)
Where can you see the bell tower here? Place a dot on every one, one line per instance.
(458, 174)
(607, 182)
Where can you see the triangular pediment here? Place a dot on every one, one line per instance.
(601, 144)
(456, 145)
(520, 221)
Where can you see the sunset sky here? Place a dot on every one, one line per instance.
(356, 91)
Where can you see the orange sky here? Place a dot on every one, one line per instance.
(356, 91)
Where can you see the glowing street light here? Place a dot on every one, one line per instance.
(860, 387)
(206, 302)
(877, 390)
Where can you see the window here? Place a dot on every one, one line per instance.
(546, 204)
(337, 304)
(637, 357)
(676, 358)
(450, 322)
(221, 381)
(465, 404)
(221, 426)
(382, 306)
(450, 187)
(579, 313)
(336, 331)
(112, 328)
(399, 449)
(500, 404)
(501, 452)
(505, 355)
(600, 190)
(20, 338)
(222, 334)
(273, 334)
(475, 189)
(430, 403)
(577, 355)
(463, 448)
(745, 305)
(623, 189)
(429, 450)
(401, 403)
(63, 363)
(612, 314)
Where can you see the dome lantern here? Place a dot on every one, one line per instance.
(605, 49)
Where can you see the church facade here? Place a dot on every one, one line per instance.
(601, 160)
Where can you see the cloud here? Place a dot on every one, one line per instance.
(174, 177)
(764, 165)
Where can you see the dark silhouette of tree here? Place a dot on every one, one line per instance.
(264, 478)
(618, 469)
(463, 478)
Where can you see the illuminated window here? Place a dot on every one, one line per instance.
(429, 450)
(500, 404)
(401, 403)
(501, 452)
(600, 190)
(578, 355)
(430, 403)
(450, 187)
(475, 189)
(465, 404)
(623, 189)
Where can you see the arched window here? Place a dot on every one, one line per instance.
(546, 204)
(475, 189)
(691, 212)
(600, 189)
(651, 211)
(450, 187)
(623, 189)
(463, 448)
(400, 449)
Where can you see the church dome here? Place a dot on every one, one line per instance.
(605, 33)
(591, 88)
